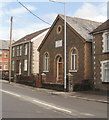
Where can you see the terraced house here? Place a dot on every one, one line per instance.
(101, 56)
(4, 55)
(79, 53)
(25, 57)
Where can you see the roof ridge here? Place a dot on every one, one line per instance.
(37, 31)
(81, 19)
(86, 20)
(30, 36)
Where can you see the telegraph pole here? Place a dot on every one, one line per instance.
(10, 50)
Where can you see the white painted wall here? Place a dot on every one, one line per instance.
(35, 62)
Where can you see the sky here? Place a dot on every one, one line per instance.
(25, 23)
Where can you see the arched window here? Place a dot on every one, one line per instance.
(46, 62)
(74, 60)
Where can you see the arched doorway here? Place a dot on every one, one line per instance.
(59, 69)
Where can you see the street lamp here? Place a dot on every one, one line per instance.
(64, 41)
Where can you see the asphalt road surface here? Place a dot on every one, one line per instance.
(24, 102)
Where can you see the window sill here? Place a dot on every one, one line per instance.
(105, 52)
(45, 71)
(105, 82)
(73, 71)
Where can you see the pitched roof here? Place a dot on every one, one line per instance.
(102, 27)
(30, 36)
(82, 26)
(4, 44)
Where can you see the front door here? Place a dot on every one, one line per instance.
(59, 68)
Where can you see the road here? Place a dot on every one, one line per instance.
(25, 102)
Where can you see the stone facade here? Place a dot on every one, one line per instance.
(99, 57)
(74, 41)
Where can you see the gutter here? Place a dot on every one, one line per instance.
(20, 43)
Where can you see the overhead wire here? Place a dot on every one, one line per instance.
(33, 13)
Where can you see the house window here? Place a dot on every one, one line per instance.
(17, 50)
(0, 65)
(0, 54)
(106, 42)
(13, 63)
(13, 51)
(73, 65)
(5, 65)
(105, 71)
(20, 50)
(46, 62)
(26, 49)
(5, 54)
(25, 65)
(20, 68)
(59, 29)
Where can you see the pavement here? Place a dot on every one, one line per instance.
(98, 96)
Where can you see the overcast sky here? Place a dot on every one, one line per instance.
(25, 23)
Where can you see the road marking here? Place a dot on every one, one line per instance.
(87, 114)
(14, 94)
(52, 106)
(46, 105)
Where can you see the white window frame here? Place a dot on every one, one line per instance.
(25, 65)
(17, 50)
(5, 66)
(13, 51)
(20, 67)
(26, 50)
(20, 50)
(13, 63)
(73, 56)
(5, 54)
(105, 41)
(46, 62)
(103, 70)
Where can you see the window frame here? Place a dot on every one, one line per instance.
(26, 65)
(105, 41)
(1, 54)
(46, 62)
(1, 65)
(73, 66)
(5, 54)
(20, 50)
(17, 51)
(103, 63)
(26, 48)
(5, 64)
(13, 64)
(13, 51)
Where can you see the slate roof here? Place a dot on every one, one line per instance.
(29, 36)
(4, 44)
(102, 27)
(82, 26)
